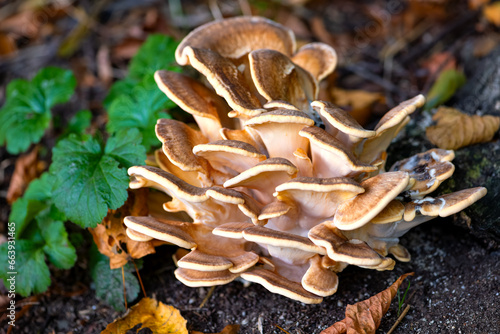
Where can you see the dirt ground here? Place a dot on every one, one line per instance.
(456, 289)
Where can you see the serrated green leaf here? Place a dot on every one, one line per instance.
(444, 88)
(109, 284)
(26, 113)
(57, 247)
(33, 275)
(157, 52)
(141, 109)
(35, 199)
(120, 87)
(88, 181)
(125, 147)
(78, 123)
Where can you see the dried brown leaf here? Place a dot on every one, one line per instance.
(111, 238)
(492, 13)
(364, 317)
(455, 129)
(360, 102)
(28, 168)
(229, 329)
(149, 313)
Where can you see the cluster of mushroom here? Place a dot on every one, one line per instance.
(279, 188)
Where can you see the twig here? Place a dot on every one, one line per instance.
(365, 73)
(209, 294)
(215, 10)
(407, 308)
(245, 7)
(140, 280)
(282, 329)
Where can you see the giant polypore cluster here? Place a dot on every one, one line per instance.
(274, 186)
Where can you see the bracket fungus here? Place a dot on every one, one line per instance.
(279, 188)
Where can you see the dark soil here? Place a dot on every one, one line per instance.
(456, 289)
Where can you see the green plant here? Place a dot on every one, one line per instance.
(402, 300)
(88, 173)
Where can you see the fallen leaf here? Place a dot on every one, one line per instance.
(359, 102)
(28, 168)
(475, 4)
(439, 62)
(444, 88)
(485, 44)
(364, 317)
(492, 13)
(7, 45)
(455, 129)
(229, 329)
(149, 313)
(111, 238)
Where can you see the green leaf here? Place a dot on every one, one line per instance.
(158, 52)
(33, 275)
(109, 284)
(36, 198)
(26, 113)
(140, 110)
(125, 147)
(78, 124)
(120, 87)
(444, 88)
(57, 246)
(90, 178)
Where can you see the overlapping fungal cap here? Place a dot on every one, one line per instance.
(272, 185)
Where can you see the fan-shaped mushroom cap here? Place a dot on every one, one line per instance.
(316, 198)
(277, 78)
(235, 37)
(391, 213)
(208, 109)
(379, 191)
(227, 81)
(319, 280)
(264, 177)
(275, 126)
(196, 278)
(229, 156)
(428, 169)
(209, 252)
(340, 249)
(208, 205)
(444, 205)
(279, 104)
(340, 124)
(319, 59)
(280, 285)
(329, 157)
(388, 127)
(192, 177)
(178, 141)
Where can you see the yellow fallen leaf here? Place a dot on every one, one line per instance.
(229, 329)
(492, 13)
(364, 317)
(455, 129)
(158, 317)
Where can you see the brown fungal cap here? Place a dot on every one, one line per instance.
(236, 37)
(279, 104)
(319, 59)
(338, 120)
(178, 140)
(391, 213)
(428, 169)
(318, 279)
(229, 156)
(280, 116)
(226, 79)
(330, 157)
(280, 285)
(197, 278)
(341, 249)
(379, 191)
(170, 231)
(277, 78)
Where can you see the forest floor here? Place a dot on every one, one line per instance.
(388, 50)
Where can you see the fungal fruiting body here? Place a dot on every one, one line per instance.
(271, 196)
